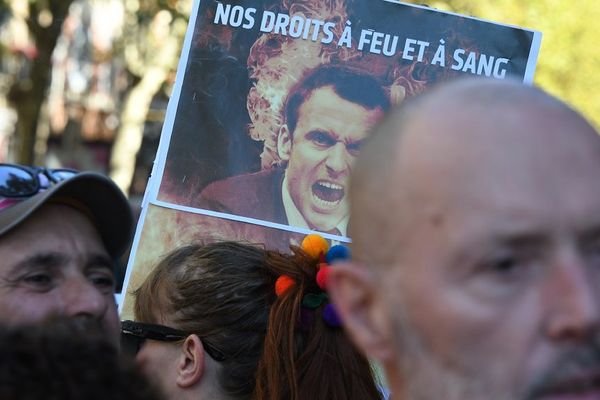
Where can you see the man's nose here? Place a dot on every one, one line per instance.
(574, 294)
(80, 298)
(337, 159)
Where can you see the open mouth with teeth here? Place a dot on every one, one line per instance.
(327, 194)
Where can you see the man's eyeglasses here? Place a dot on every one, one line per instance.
(134, 334)
(17, 181)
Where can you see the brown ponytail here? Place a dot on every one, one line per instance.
(304, 357)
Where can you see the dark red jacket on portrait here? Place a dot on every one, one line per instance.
(256, 195)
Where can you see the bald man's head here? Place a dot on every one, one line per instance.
(471, 115)
(475, 215)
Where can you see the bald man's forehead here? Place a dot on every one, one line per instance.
(447, 147)
(477, 112)
(514, 147)
(484, 98)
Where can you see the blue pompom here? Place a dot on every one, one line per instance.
(337, 252)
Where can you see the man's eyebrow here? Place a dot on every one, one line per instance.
(53, 260)
(480, 247)
(525, 238)
(323, 131)
(40, 260)
(99, 260)
(592, 232)
(330, 132)
(481, 242)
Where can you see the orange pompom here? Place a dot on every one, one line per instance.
(315, 245)
(282, 284)
(322, 277)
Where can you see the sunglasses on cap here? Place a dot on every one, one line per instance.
(17, 181)
(134, 334)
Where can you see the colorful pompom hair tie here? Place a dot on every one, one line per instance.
(318, 248)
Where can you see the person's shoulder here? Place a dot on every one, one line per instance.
(244, 184)
(254, 195)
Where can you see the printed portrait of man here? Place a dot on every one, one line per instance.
(327, 115)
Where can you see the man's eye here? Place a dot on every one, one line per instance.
(506, 264)
(592, 253)
(321, 139)
(354, 148)
(38, 280)
(503, 265)
(515, 265)
(102, 280)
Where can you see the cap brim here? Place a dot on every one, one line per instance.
(107, 206)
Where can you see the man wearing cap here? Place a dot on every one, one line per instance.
(476, 266)
(60, 235)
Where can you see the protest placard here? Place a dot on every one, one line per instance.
(272, 101)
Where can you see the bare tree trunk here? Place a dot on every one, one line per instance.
(130, 135)
(29, 93)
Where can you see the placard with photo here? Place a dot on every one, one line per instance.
(274, 98)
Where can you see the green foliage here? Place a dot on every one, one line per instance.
(569, 57)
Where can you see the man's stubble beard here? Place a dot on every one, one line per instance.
(426, 377)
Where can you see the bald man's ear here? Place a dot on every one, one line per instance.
(190, 366)
(359, 305)
(284, 143)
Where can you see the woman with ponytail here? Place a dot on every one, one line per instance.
(233, 321)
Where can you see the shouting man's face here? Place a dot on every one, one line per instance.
(320, 153)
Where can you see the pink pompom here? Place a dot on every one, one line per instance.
(323, 276)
